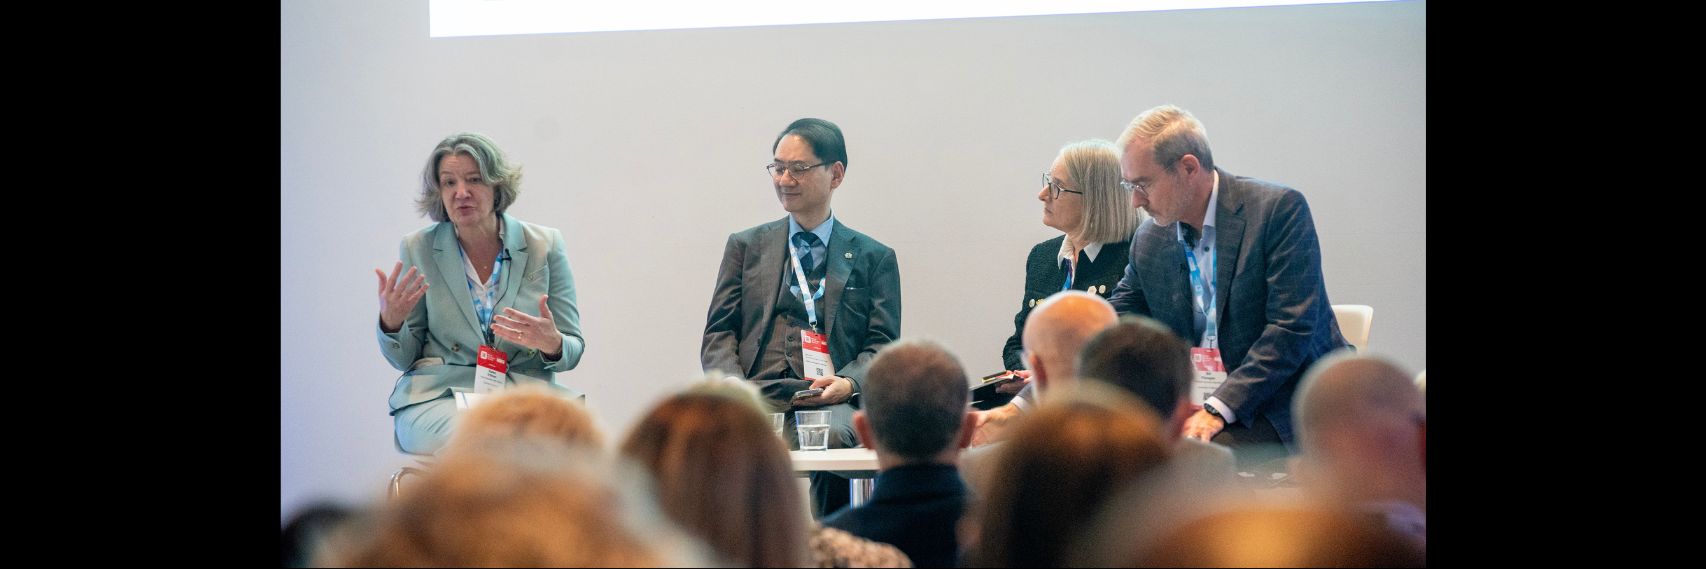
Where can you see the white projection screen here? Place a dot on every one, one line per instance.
(646, 148)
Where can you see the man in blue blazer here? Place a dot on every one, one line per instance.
(759, 307)
(1228, 263)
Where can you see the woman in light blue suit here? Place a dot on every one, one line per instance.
(488, 279)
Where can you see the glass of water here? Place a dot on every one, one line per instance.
(813, 429)
(776, 422)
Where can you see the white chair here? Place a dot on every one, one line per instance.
(422, 462)
(1354, 322)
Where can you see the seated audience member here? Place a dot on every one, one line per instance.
(1054, 334)
(721, 472)
(1272, 536)
(1147, 360)
(524, 502)
(1362, 423)
(1057, 470)
(529, 411)
(310, 533)
(915, 419)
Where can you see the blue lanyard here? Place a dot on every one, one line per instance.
(808, 298)
(1066, 265)
(1198, 291)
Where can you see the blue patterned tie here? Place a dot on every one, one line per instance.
(805, 240)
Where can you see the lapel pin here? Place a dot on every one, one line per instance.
(847, 255)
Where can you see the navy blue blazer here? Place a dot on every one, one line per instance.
(1275, 319)
(914, 507)
(1043, 277)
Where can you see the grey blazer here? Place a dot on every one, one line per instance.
(861, 300)
(438, 343)
(1275, 319)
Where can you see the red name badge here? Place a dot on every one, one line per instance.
(814, 356)
(490, 370)
(1210, 374)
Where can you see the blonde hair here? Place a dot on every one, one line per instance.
(1094, 166)
(528, 410)
(722, 473)
(519, 503)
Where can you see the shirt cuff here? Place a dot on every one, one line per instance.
(1225, 412)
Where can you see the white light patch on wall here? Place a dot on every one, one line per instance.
(456, 18)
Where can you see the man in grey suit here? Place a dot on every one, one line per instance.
(1232, 265)
(786, 284)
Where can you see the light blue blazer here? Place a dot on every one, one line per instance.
(438, 343)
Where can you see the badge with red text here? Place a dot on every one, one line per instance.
(490, 370)
(1210, 373)
(815, 359)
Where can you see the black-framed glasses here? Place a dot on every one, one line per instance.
(1055, 189)
(1136, 187)
(797, 169)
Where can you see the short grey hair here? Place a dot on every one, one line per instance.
(1173, 132)
(1094, 166)
(495, 169)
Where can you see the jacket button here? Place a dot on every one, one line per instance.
(456, 347)
(396, 346)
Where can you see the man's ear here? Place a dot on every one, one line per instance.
(837, 172)
(862, 427)
(968, 429)
(1189, 165)
(1038, 373)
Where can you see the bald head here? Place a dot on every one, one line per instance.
(1357, 393)
(1361, 422)
(1057, 330)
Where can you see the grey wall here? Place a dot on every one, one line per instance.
(643, 146)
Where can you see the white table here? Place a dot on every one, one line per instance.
(858, 464)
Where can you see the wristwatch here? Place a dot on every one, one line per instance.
(1212, 411)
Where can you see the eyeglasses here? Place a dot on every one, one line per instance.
(1055, 189)
(1136, 187)
(777, 168)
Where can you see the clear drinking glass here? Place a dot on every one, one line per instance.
(813, 429)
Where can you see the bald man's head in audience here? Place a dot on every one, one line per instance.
(1361, 425)
(1057, 330)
